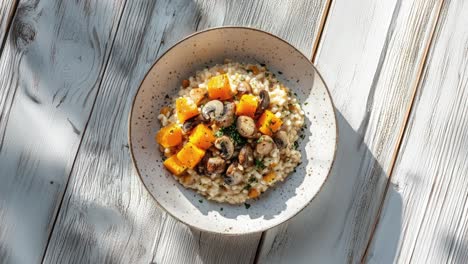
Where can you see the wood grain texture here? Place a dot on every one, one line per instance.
(7, 11)
(432, 168)
(370, 56)
(106, 214)
(51, 65)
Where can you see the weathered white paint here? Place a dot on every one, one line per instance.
(107, 215)
(7, 10)
(371, 56)
(51, 66)
(432, 166)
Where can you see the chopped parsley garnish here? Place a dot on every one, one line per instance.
(296, 145)
(221, 209)
(306, 103)
(247, 206)
(219, 133)
(249, 71)
(259, 164)
(247, 186)
(231, 131)
(200, 201)
(252, 179)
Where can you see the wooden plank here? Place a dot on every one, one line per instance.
(430, 177)
(7, 11)
(52, 63)
(142, 232)
(371, 56)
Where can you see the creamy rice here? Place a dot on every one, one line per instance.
(280, 161)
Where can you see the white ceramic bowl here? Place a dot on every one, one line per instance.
(241, 44)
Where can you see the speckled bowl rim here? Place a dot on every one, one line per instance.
(129, 134)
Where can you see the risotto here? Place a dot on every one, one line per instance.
(231, 132)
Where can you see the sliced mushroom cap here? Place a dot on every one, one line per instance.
(281, 139)
(246, 158)
(233, 174)
(246, 126)
(225, 146)
(212, 110)
(244, 87)
(265, 145)
(201, 167)
(228, 116)
(189, 124)
(264, 102)
(215, 165)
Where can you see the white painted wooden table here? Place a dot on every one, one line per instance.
(397, 71)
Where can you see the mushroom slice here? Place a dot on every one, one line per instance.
(264, 102)
(225, 146)
(265, 145)
(281, 139)
(246, 158)
(244, 87)
(212, 110)
(233, 174)
(201, 167)
(228, 116)
(190, 123)
(215, 165)
(246, 126)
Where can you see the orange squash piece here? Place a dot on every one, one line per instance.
(268, 123)
(174, 165)
(169, 136)
(190, 155)
(185, 109)
(254, 69)
(202, 137)
(219, 87)
(269, 177)
(247, 105)
(165, 110)
(253, 193)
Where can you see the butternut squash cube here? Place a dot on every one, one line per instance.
(174, 165)
(219, 87)
(169, 136)
(190, 155)
(202, 136)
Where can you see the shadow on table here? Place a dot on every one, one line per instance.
(337, 225)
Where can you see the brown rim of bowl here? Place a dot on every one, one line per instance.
(129, 135)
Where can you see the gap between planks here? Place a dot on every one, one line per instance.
(315, 48)
(402, 132)
(59, 206)
(11, 16)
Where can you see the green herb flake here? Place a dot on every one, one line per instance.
(247, 186)
(296, 145)
(259, 164)
(219, 133)
(247, 206)
(252, 179)
(306, 103)
(231, 131)
(249, 71)
(200, 201)
(221, 209)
